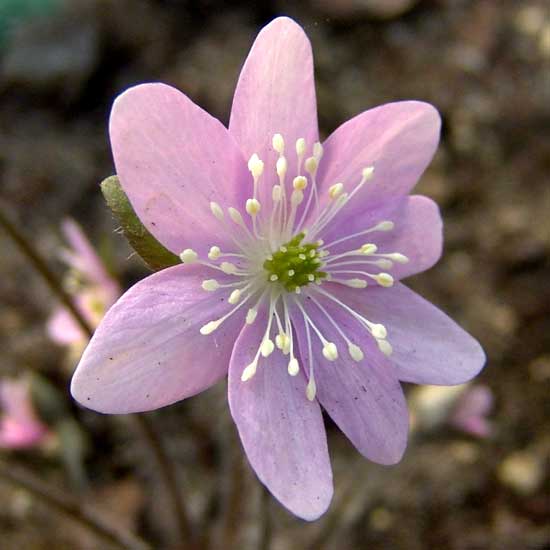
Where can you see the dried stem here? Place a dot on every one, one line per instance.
(153, 442)
(71, 506)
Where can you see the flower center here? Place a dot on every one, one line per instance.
(295, 264)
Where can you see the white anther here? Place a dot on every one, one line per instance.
(317, 151)
(210, 285)
(253, 206)
(216, 210)
(276, 193)
(215, 253)
(397, 257)
(282, 166)
(273, 278)
(300, 146)
(297, 197)
(384, 263)
(266, 348)
(235, 296)
(210, 327)
(384, 279)
(188, 256)
(311, 165)
(282, 342)
(249, 371)
(302, 256)
(378, 331)
(355, 283)
(278, 143)
(368, 249)
(367, 173)
(311, 278)
(311, 389)
(299, 183)
(386, 225)
(228, 268)
(256, 166)
(251, 316)
(355, 352)
(330, 351)
(334, 191)
(293, 367)
(291, 272)
(235, 215)
(385, 347)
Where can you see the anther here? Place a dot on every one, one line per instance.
(386, 225)
(317, 151)
(368, 249)
(235, 215)
(355, 352)
(384, 279)
(300, 146)
(276, 193)
(188, 256)
(335, 190)
(253, 206)
(355, 283)
(278, 143)
(297, 197)
(210, 285)
(378, 331)
(311, 389)
(210, 327)
(216, 210)
(251, 316)
(293, 367)
(330, 351)
(249, 371)
(281, 166)
(228, 268)
(235, 296)
(384, 346)
(367, 173)
(215, 253)
(397, 257)
(256, 166)
(299, 183)
(266, 348)
(310, 165)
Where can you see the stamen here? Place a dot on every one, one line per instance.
(311, 388)
(293, 367)
(278, 143)
(299, 183)
(216, 210)
(235, 296)
(253, 206)
(335, 190)
(256, 166)
(317, 151)
(210, 285)
(385, 225)
(188, 256)
(215, 253)
(282, 167)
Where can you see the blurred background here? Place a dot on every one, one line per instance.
(475, 475)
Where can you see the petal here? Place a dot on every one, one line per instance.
(398, 139)
(172, 159)
(275, 94)
(282, 432)
(364, 398)
(428, 346)
(148, 352)
(418, 234)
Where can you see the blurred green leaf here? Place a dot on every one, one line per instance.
(148, 248)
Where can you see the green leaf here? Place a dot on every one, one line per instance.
(148, 248)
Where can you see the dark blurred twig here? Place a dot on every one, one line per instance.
(265, 521)
(72, 507)
(164, 465)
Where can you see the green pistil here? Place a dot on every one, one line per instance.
(295, 264)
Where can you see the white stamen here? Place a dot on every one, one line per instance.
(210, 327)
(384, 279)
(278, 143)
(379, 331)
(214, 253)
(293, 367)
(277, 193)
(228, 268)
(253, 206)
(356, 352)
(384, 346)
(282, 166)
(311, 165)
(266, 348)
(311, 389)
(335, 190)
(216, 210)
(256, 166)
(330, 351)
(210, 285)
(317, 151)
(296, 198)
(300, 147)
(235, 215)
(367, 173)
(352, 283)
(188, 256)
(299, 183)
(397, 257)
(251, 315)
(368, 249)
(235, 296)
(249, 371)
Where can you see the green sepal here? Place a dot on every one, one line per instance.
(154, 254)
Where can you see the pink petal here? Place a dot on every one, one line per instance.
(172, 159)
(62, 328)
(418, 234)
(428, 346)
(148, 352)
(470, 411)
(281, 431)
(364, 399)
(398, 139)
(275, 94)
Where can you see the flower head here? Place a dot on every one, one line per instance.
(292, 252)
(20, 427)
(94, 290)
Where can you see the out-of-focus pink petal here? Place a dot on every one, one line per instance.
(365, 399)
(471, 409)
(275, 94)
(62, 328)
(418, 234)
(173, 159)
(398, 139)
(428, 346)
(281, 431)
(148, 352)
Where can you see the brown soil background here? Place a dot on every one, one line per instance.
(486, 66)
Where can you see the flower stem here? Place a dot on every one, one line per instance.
(72, 507)
(164, 465)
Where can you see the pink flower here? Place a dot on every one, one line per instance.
(93, 288)
(20, 428)
(292, 254)
(471, 409)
